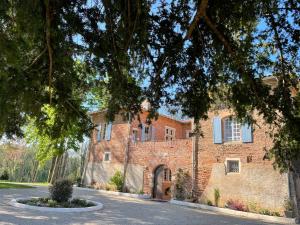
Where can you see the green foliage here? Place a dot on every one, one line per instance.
(183, 56)
(50, 145)
(209, 202)
(217, 196)
(5, 175)
(117, 180)
(46, 202)
(182, 187)
(81, 202)
(61, 190)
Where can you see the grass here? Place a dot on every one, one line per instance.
(10, 184)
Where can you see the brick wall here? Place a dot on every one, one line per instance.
(256, 180)
(257, 176)
(161, 123)
(176, 154)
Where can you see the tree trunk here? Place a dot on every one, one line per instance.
(51, 169)
(126, 156)
(195, 141)
(296, 183)
(36, 168)
(86, 159)
(64, 165)
(55, 170)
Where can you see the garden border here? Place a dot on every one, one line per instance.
(15, 203)
(266, 218)
(138, 196)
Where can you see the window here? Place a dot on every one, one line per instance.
(232, 130)
(98, 133)
(106, 156)
(147, 133)
(104, 131)
(134, 135)
(167, 174)
(169, 133)
(189, 134)
(233, 165)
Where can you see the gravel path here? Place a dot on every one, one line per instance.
(117, 210)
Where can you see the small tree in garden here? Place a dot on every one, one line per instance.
(61, 190)
(117, 179)
(5, 175)
(217, 196)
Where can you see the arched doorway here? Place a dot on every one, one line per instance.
(162, 183)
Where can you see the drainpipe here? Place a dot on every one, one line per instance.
(126, 156)
(195, 148)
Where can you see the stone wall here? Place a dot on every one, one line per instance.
(103, 171)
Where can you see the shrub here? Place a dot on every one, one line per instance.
(111, 187)
(117, 180)
(209, 202)
(182, 186)
(236, 205)
(52, 203)
(78, 181)
(5, 175)
(217, 196)
(81, 202)
(288, 205)
(61, 190)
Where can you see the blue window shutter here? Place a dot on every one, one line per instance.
(152, 133)
(99, 133)
(108, 131)
(246, 133)
(217, 130)
(143, 132)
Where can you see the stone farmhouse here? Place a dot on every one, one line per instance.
(230, 158)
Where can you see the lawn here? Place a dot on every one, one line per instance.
(8, 184)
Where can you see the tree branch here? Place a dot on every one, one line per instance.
(50, 51)
(201, 12)
(36, 59)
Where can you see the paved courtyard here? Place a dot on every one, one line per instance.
(117, 210)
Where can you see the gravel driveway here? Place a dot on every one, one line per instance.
(117, 210)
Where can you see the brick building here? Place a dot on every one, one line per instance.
(230, 158)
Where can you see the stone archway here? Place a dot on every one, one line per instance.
(162, 183)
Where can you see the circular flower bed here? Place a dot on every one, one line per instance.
(40, 204)
(59, 200)
(47, 202)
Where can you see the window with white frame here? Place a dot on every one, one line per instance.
(169, 133)
(107, 156)
(232, 129)
(233, 165)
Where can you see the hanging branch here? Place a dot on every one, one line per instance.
(278, 42)
(36, 59)
(49, 48)
(201, 12)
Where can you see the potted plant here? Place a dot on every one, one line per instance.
(288, 206)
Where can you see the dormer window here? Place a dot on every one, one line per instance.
(232, 129)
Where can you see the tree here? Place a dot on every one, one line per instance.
(50, 146)
(185, 51)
